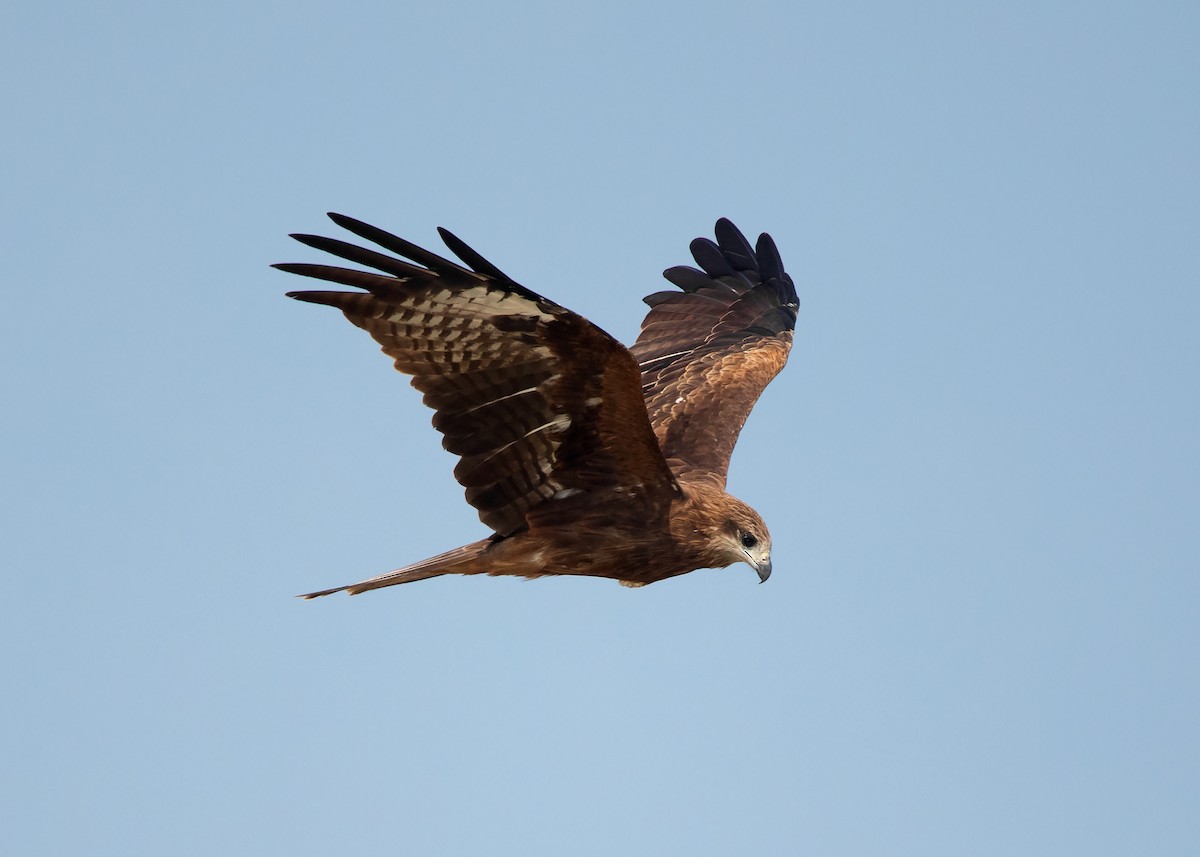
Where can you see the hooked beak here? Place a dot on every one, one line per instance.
(763, 568)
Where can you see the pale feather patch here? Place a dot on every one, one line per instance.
(667, 357)
(499, 399)
(491, 302)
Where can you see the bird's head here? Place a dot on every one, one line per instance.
(745, 539)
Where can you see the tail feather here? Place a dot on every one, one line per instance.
(461, 560)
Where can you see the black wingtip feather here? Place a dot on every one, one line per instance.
(403, 247)
(734, 245)
(362, 256)
(687, 278)
(732, 261)
(709, 257)
(463, 251)
(345, 221)
(333, 299)
(769, 261)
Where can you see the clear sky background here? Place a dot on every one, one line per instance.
(980, 468)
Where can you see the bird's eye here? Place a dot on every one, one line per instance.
(748, 541)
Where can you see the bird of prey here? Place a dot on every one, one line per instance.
(582, 456)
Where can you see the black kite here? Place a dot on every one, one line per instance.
(583, 456)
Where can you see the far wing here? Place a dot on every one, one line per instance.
(540, 404)
(707, 353)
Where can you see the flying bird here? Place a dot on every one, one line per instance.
(582, 456)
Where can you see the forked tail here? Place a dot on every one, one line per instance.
(461, 560)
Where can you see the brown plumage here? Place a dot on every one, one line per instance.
(582, 456)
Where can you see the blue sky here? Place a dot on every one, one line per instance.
(980, 468)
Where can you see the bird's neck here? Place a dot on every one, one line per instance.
(698, 521)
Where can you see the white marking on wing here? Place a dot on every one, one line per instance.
(483, 301)
(561, 421)
(667, 357)
(474, 408)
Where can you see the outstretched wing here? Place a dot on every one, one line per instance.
(707, 353)
(539, 403)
